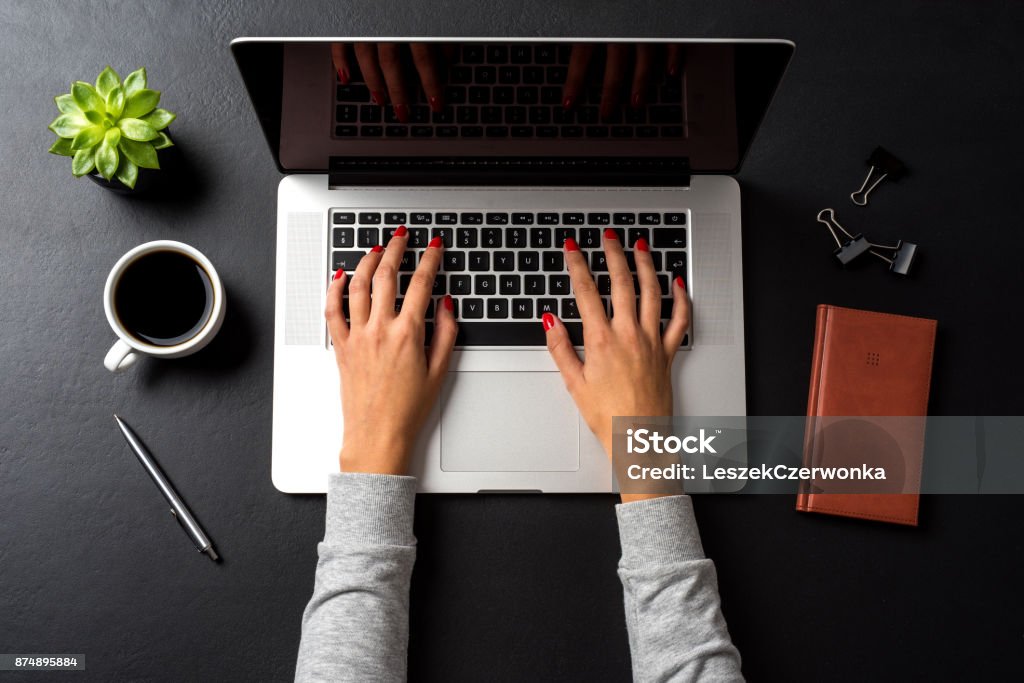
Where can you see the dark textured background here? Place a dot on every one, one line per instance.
(506, 587)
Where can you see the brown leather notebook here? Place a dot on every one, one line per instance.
(875, 368)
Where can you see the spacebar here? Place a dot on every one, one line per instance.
(511, 333)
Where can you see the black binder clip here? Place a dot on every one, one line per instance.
(902, 254)
(883, 166)
(848, 249)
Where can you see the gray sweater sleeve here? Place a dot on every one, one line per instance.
(356, 625)
(673, 615)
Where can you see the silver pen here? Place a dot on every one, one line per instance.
(178, 509)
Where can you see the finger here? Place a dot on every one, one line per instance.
(643, 75)
(615, 68)
(562, 352)
(679, 323)
(443, 341)
(334, 311)
(369, 65)
(623, 292)
(359, 287)
(576, 78)
(339, 55)
(650, 290)
(422, 285)
(674, 60)
(385, 278)
(426, 67)
(391, 65)
(588, 301)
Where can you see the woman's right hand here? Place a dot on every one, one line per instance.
(628, 364)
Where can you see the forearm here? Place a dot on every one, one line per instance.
(356, 625)
(673, 611)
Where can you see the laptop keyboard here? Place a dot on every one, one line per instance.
(505, 269)
(511, 91)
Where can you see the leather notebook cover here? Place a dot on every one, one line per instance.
(879, 366)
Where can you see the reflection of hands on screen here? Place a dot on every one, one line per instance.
(624, 73)
(383, 69)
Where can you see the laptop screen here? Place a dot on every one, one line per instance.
(698, 101)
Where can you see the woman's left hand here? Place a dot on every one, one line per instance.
(389, 381)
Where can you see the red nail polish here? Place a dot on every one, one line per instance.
(448, 303)
(338, 273)
(343, 76)
(568, 102)
(376, 97)
(637, 100)
(400, 231)
(435, 243)
(641, 245)
(402, 113)
(610, 234)
(570, 244)
(548, 321)
(680, 283)
(435, 103)
(377, 249)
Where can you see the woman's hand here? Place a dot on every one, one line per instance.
(628, 359)
(383, 69)
(388, 380)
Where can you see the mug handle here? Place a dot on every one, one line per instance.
(120, 357)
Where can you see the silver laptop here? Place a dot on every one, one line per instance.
(504, 171)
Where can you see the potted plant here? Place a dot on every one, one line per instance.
(111, 129)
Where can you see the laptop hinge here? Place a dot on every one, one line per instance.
(529, 171)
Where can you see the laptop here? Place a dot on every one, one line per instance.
(499, 165)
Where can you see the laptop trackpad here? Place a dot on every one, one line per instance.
(508, 422)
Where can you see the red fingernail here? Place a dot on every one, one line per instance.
(548, 321)
(610, 234)
(673, 70)
(376, 97)
(680, 283)
(448, 303)
(435, 103)
(377, 248)
(570, 244)
(435, 243)
(568, 102)
(641, 244)
(400, 231)
(402, 113)
(637, 100)
(343, 76)
(338, 273)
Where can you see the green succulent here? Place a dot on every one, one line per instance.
(112, 127)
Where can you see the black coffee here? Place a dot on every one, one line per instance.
(163, 298)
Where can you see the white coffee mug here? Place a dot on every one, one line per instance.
(128, 348)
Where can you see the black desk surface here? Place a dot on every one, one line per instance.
(507, 587)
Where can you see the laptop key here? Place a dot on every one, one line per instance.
(504, 261)
(590, 238)
(529, 261)
(472, 218)
(534, 284)
(547, 131)
(562, 234)
(604, 285)
(569, 310)
(346, 131)
(403, 283)
(465, 238)
(447, 131)
(558, 285)
(396, 131)
(418, 238)
(490, 238)
(497, 219)
(670, 237)
(508, 75)
(484, 284)
(598, 264)
(572, 219)
(352, 93)
(344, 218)
(347, 260)
(408, 262)
(515, 238)
(497, 131)
(368, 237)
(520, 54)
(472, 131)
(624, 219)
(439, 285)
(540, 238)
(650, 219)
(454, 261)
(497, 308)
(344, 238)
(446, 218)
(371, 131)
(445, 234)
(460, 284)
(522, 308)
(503, 94)
(369, 218)
(675, 219)
(533, 75)
(622, 132)
(509, 284)
(479, 260)
(553, 261)
(663, 282)
(422, 132)
(479, 94)
(517, 219)
(394, 218)
(547, 306)
(490, 115)
(420, 218)
(460, 75)
(599, 218)
(675, 262)
(547, 218)
(472, 308)
(637, 234)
